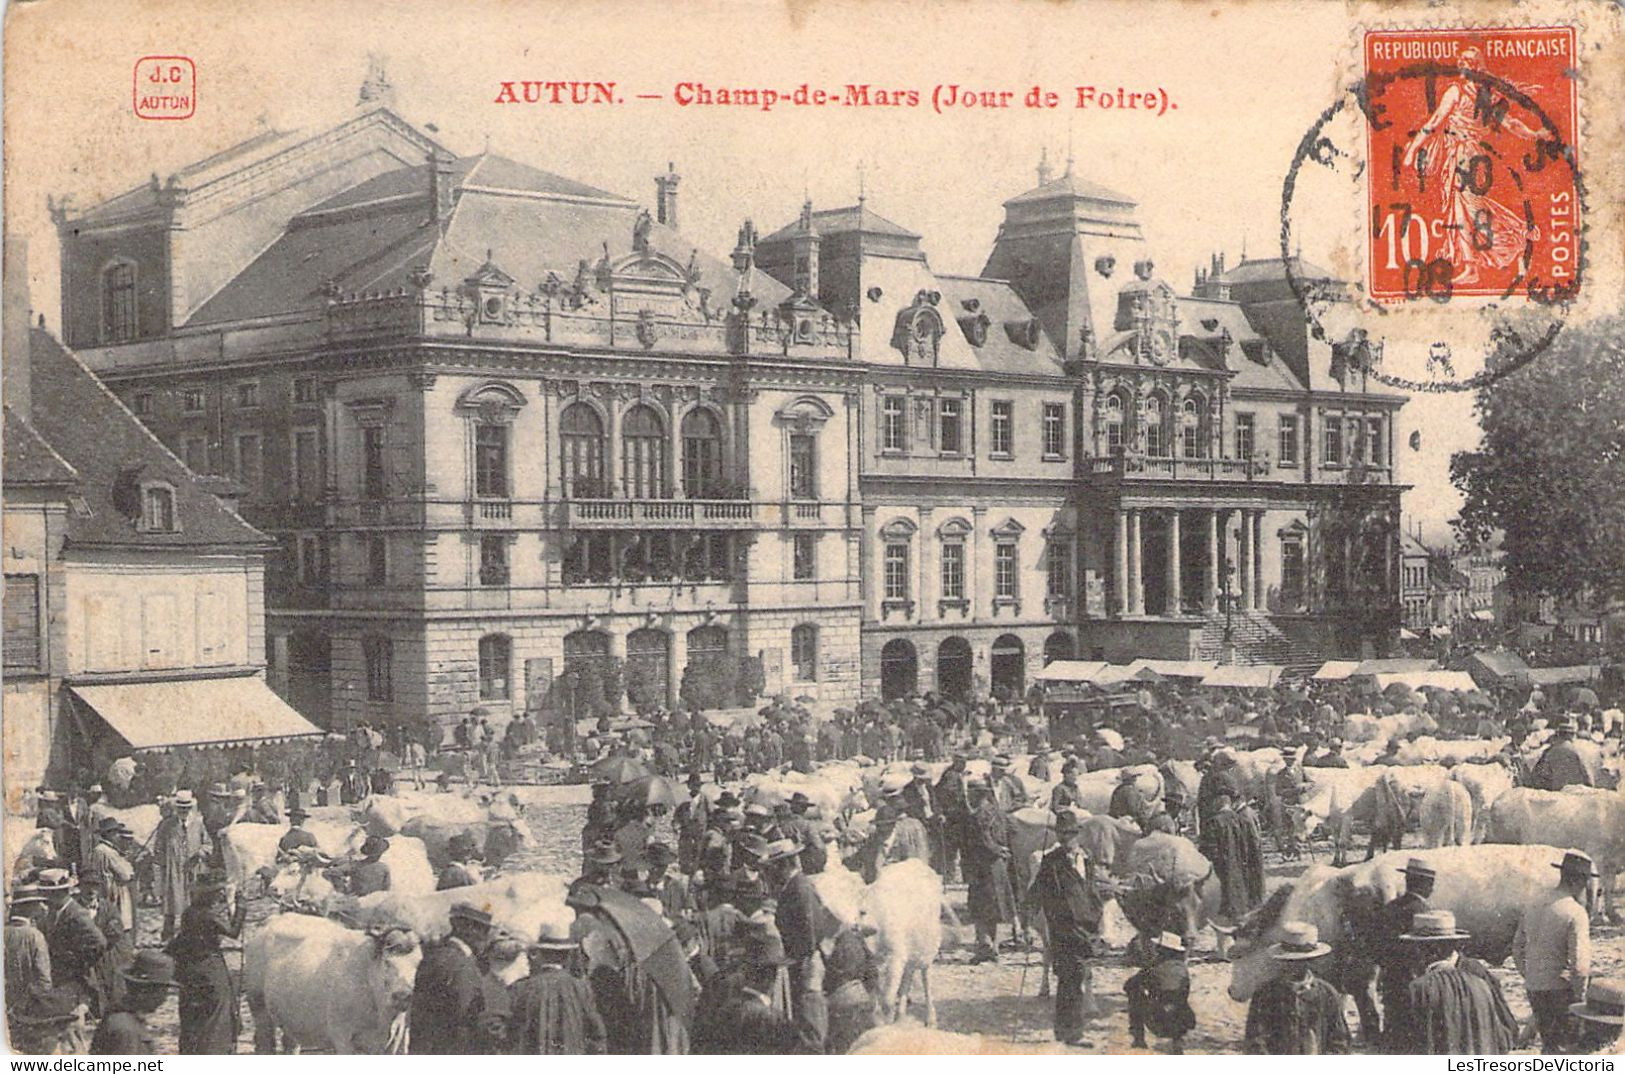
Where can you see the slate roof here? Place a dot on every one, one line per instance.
(1070, 185)
(1266, 269)
(28, 459)
(999, 301)
(112, 452)
(850, 218)
(1272, 372)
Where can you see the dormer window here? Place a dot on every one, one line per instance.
(157, 508)
(119, 318)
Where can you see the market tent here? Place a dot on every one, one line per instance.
(1555, 676)
(1393, 666)
(1491, 668)
(1069, 670)
(731, 718)
(1176, 669)
(194, 712)
(1482, 615)
(1257, 676)
(1428, 680)
(1335, 670)
(1438, 632)
(1112, 674)
(1407, 634)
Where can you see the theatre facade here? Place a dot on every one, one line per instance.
(502, 423)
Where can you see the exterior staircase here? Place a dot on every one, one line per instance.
(1258, 640)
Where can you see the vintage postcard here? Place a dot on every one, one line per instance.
(538, 527)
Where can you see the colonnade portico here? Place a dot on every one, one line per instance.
(1234, 539)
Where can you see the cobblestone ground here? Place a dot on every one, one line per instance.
(998, 999)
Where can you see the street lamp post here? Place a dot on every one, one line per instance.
(1227, 600)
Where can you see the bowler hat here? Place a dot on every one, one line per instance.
(109, 824)
(1576, 861)
(555, 936)
(1605, 1002)
(919, 769)
(605, 852)
(1299, 940)
(472, 915)
(1125, 775)
(184, 799)
(152, 968)
(1567, 724)
(297, 814)
(727, 800)
(1432, 926)
(1003, 761)
(1066, 823)
(799, 801)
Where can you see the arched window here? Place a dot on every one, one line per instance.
(586, 651)
(1156, 443)
(707, 641)
(702, 453)
(804, 652)
(581, 443)
(119, 316)
(648, 667)
(643, 454)
(1114, 424)
(496, 663)
(1191, 441)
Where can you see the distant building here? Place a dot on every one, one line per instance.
(1484, 572)
(1415, 587)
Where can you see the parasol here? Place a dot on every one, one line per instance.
(619, 768)
(650, 939)
(1583, 695)
(652, 790)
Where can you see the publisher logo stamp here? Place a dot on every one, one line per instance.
(165, 87)
(1472, 166)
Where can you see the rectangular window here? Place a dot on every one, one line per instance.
(897, 587)
(312, 560)
(1293, 573)
(1373, 442)
(377, 560)
(307, 464)
(304, 390)
(1334, 442)
(158, 509)
(893, 423)
(142, 404)
(250, 468)
(21, 646)
(953, 571)
(1190, 441)
(1002, 436)
(490, 460)
(380, 659)
(248, 395)
(119, 318)
(195, 452)
(950, 432)
(1286, 447)
(803, 466)
(1060, 570)
(1054, 430)
(1244, 436)
(493, 559)
(372, 462)
(192, 400)
(1004, 571)
(804, 652)
(496, 662)
(805, 557)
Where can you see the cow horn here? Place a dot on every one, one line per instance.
(1223, 930)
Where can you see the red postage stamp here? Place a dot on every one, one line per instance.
(165, 87)
(1473, 166)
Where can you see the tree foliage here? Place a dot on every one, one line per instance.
(1549, 474)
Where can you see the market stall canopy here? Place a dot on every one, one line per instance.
(1555, 676)
(1482, 615)
(1428, 680)
(1393, 666)
(1070, 670)
(1407, 634)
(195, 712)
(1113, 674)
(1335, 670)
(1257, 676)
(1438, 632)
(1176, 669)
(1489, 668)
(731, 718)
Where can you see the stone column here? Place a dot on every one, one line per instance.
(1258, 560)
(678, 660)
(979, 565)
(1210, 580)
(1175, 582)
(930, 578)
(1120, 564)
(1136, 564)
(612, 449)
(1244, 560)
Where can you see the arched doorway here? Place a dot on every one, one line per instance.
(955, 668)
(1058, 646)
(648, 667)
(1008, 666)
(899, 669)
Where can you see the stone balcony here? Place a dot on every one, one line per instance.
(699, 514)
(1173, 468)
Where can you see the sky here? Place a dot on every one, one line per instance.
(1246, 82)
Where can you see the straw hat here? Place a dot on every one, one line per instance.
(1433, 926)
(1170, 941)
(1605, 1002)
(1420, 869)
(1299, 940)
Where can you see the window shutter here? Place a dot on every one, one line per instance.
(21, 644)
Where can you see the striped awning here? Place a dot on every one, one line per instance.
(194, 712)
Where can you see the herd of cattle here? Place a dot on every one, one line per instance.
(363, 952)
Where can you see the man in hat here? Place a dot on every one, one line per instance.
(716, 847)
(1332, 758)
(76, 944)
(1296, 1012)
(1561, 765)
(210, 1014)
(1065, 890)
(107, 861)
(1102, 755)
(803, 921)
(690, 819)
(1008, 790)
(553, 1009)
(27, 954)
(447, 994)
(1067, 795)
(367, 875)
(461, 870)
(146, 984)
(986, 850)
(672, 889)
(1159, 996)
(748, 1022)
(119, 941)
(1601, 1016)
(179, 847)
(1231, 842)
(1220, 778)
(1456, 1006)
(295, 838)
(1127, 799)
(1169, 818)
(1552, 949)
(807, 829)
(603, 865)
(50, 1023)
(1394, 959)
(262, 806)
(896, 836)
(1390, 754)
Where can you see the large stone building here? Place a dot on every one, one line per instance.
(503, 423)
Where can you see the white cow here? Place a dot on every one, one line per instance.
(904, 908)
(1485, 783)
(1338, 797)
(1592, 820)
(917, 1040)
(329, 987)
(251, 850)
(521, 904)
(1446, 813)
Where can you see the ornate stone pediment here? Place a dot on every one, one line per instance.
(804, 414)
(955, 528)
(493, 402)
(919, 329)
(1149, 309)
(1009, 529)
(898, 529)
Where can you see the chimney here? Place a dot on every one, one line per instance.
(666, 196)
(1044, 172)
(440, 188)
(14, 317)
